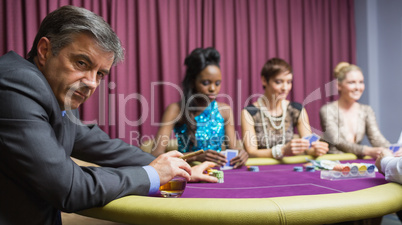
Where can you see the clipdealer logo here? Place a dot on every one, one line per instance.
(115, 108)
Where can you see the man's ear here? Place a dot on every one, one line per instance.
(44, 51)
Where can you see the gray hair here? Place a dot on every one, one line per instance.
(61, 25)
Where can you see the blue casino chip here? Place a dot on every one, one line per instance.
(298, 168)
(253, 168)
(310, 168)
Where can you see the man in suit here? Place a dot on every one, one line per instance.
(73, 50)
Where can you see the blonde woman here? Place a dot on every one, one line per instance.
(346, 121)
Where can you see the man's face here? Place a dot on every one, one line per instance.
(76, 71)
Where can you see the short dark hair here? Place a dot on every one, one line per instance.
(61, 25)
(274, 67)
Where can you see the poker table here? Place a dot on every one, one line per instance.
(274, 195)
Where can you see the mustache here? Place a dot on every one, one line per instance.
(84, 91)
(77, 88)
(80, 88)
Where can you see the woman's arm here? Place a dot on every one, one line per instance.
(303, 126)
(250, 138)
(377, 140)
(373, 132)
(230, 133)
(170, 117)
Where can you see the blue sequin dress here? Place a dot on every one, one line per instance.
(210, 132)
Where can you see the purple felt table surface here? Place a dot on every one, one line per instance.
(277, 181)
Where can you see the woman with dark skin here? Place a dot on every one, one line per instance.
(198, 120)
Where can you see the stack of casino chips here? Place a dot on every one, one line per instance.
(253, 168)
(355, 168)
(298, 168)
(310, 168)
(345, 169)
(216, 173)
(370, 167)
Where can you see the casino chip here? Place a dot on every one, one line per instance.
(218, 174)
(310, 168)
(298, 168)
(253, 168)
(370, 168)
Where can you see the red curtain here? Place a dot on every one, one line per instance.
(313, 35)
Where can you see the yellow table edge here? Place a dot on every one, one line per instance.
(307, 209)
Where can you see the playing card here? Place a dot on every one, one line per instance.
(395, 147)
(312, 138)
(230, 154)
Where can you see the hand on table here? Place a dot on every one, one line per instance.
(220, 159)
(240, 160)
(296, 147)
(319, 148)
(373, 152)
(197, 173)
(169, 165)
(398, 153)
(384, 153)
(212, 156)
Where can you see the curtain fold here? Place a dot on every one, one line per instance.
(313, 35)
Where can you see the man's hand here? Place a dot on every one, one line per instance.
(398, 153)
(384, 153)
(169, 165)
(197, 173)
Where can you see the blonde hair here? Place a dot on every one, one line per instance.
(344, 68)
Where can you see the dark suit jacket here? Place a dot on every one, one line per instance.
(37, 176)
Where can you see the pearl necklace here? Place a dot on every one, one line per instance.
(272, 120)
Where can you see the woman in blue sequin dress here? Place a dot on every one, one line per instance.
(198, 120)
